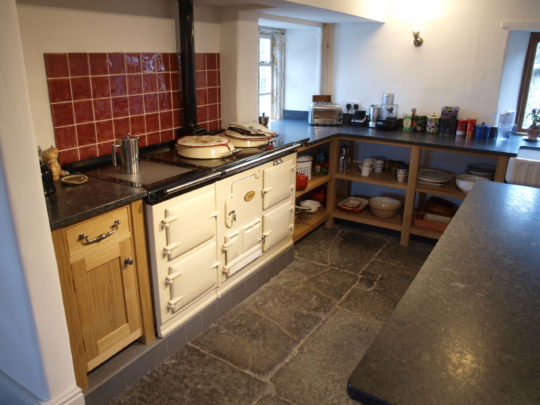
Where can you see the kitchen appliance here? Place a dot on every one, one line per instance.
(129, 154)
(263, 120)
(325, 114)
(374, 112)
(387, 98)
(392, 124)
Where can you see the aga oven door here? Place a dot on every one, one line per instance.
(278, 224)
(278, 181)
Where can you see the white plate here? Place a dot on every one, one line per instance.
(432, 184)
(74, 179)
(481, 167)
(433, 176)
(481, 174)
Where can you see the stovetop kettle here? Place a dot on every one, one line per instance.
(129, 154)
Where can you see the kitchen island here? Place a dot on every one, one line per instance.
(468, 328)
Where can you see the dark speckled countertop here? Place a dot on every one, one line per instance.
(468, 329)
(71, 204)
(300, 130)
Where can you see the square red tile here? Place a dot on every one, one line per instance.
(178, 119)
(150, 103)
(98, 64)
(136, 105)
(88, 152)
(152, 123)
(213, 112)
(81, 89)
(149, 83)
(104, 131)
(166, 135)
(102, 109)
(66, 137)
(212, 95)
(120, 107)
(165, 120)
(177, 100)
(160, 64)
(104, 148)
(202, 114)
(57, 65)
(121, 127)
(86, 134)
(133, 62)
(148, 62)
(78, 64)
(152, 138)
(211, 61)
(211, 78)
(134, 84)
(200, 61)
(84, 111)
(165, 101)
(138, 125)
(218, 60)
(68, 156)
(213, 126)
(100, 87)
(166, 62)
(142, 140)
(175, 81)
(200, 80)
(62, 114)
(164, 82)
(59, 90)
(202, 97)
(173, 61)
(118, 85)
(117, 63)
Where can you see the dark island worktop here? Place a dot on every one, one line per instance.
(468, 329)
(72, 204)
(300, 130)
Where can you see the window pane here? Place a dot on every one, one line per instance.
(265, 105)
(533, 99)
(265, 79)
(264, 49)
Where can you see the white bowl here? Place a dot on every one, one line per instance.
(311, 204)
(384, 207)
(466, 182)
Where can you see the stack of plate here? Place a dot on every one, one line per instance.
(432, 177)
(482, 170)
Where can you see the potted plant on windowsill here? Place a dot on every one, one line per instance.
(534, 130)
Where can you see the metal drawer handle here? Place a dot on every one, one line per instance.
(83, 237)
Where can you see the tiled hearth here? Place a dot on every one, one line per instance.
(98, 97)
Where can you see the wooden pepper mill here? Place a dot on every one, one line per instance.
(51, 158)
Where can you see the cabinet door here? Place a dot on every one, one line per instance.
(278, 183)
(107, 300)
(277, 225)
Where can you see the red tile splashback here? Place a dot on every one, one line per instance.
(98, 97)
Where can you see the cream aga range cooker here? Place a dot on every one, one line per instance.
(211, 223)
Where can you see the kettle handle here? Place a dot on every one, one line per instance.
(113, 148)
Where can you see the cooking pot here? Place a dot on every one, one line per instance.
(247, 141)
(205, 147)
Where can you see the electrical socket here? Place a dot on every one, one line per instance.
(352, 103)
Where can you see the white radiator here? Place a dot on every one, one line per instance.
(523, 172)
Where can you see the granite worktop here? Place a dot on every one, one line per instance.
(72, 204)
(467, 331)
(300, 131)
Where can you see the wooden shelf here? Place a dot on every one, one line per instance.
(314, 183)
(366, 217)
(305, 223)
(380, 179)
(448, 190)
(428, 233)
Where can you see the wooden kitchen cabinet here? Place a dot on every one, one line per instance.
(105, 286)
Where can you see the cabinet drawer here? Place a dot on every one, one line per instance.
(94, 227)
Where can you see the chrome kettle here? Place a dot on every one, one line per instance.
(129, 154)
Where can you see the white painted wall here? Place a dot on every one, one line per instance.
(460, 62)
(35, 359)
(97, 26)
(302, 66)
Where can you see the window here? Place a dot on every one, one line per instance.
(529, 95)
(271, 71)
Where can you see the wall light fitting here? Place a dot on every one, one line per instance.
(416, 34)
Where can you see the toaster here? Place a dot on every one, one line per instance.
(325, 114)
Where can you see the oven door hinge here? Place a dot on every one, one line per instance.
(172, 303)
(266, 190)
(169, 249)
(167, 221)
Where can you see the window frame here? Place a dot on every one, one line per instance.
(526, 80)
(268, 64)
(277, 36)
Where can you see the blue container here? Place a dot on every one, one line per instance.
(481, 131)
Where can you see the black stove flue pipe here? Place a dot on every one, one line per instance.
(187, 72)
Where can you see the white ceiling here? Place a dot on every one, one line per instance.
(289, 8)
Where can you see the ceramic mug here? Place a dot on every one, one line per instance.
(368, 161)
(401, 174)
(366, 170)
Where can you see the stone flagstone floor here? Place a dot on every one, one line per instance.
(297, 339)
